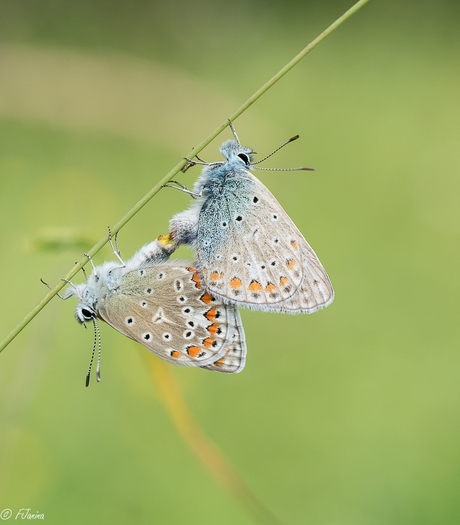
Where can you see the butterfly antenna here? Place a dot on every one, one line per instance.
(283, 169)
(92, 354)
(234, 132)
(98, 368)
(277, 149)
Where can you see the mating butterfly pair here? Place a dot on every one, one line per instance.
(249, 254)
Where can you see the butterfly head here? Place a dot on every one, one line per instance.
(101, 280)
(237, 154)
(84, 313)
(84, 309)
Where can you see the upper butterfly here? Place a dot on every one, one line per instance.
(162, 305)
(249, 252)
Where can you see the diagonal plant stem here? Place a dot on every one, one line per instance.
(176, 169)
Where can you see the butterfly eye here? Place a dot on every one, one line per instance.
(87, 314)
(84, 314)
(244, 158)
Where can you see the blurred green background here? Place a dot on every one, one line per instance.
(349, 416)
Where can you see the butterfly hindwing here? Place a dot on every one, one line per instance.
(234, 359)
(166, 309)
(252, 254)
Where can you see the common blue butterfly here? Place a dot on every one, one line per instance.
(162, 305)
(249, 252)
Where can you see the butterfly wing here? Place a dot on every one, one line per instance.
(234, 359)
(165, 308)
(252, 254)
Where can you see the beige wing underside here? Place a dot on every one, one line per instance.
(166, 309)
(264, 262)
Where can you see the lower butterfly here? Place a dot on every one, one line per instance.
(162, 305)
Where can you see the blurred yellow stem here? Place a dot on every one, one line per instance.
(202, 446)
(77, 267)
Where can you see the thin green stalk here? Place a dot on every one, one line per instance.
(176, 169)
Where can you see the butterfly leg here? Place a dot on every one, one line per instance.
(183, 188)
(117, 250)
(84, 273)
(202, 162)
(234, 132)
(92, 264)
(58, 294)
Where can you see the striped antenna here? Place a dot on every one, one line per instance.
(277, 149)
(282, 169)
(97, 336)
(98, 368)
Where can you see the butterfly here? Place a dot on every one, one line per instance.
(249, 252)
(161, 304)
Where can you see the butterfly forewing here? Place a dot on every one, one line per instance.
(257, 255)
(166, 309)
(249, 252)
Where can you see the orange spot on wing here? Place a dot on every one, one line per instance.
(214, 276)
(212, 329)
(175, 354)
(255, 286)
(290, 263)
(191, 269)
(193, 351)
(208, 341)
(270, 288)
(206, 298)
(294, 245)
(283, 281)
(219, 362)
(211, 314)
(196, 279)
(235, 283)
(205, 271)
